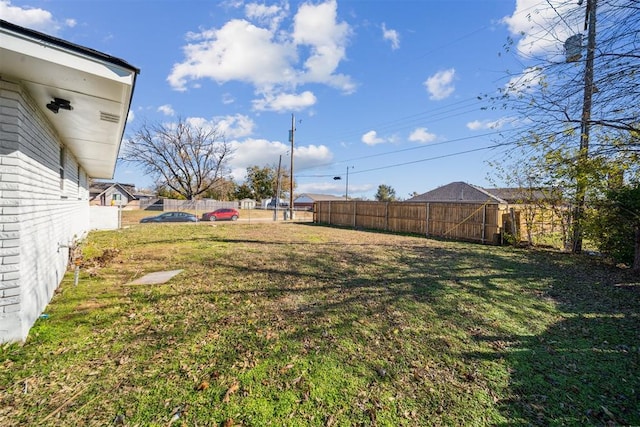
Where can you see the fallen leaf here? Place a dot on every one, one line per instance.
(228, 422)
(203, 386)
(234, 388)
(286, 368)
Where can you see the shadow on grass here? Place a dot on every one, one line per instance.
(582, 369)
(405, 318)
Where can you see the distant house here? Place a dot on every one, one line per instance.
(458, 192)
(463, 192)
(528, 212)
(111, 193)
(306, 200)
(63, 110)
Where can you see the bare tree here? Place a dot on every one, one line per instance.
(580, 95)
(188, 159)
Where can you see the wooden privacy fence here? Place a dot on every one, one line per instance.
(477, 222)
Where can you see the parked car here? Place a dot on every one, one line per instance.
(171, 217)
(221, 214)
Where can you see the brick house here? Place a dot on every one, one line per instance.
(63, 111)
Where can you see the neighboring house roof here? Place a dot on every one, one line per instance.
(310, 197)
(458, 192)
(526, 195)
(99, 188)
(97, 86)
(463, 192)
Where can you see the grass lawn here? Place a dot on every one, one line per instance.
(292, 324)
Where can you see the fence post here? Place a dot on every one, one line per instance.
(386, 216)
(484, 222)
(354, 213)
(427, 234)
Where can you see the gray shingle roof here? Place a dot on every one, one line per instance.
(457, 192)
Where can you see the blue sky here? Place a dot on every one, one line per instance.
(387, 90)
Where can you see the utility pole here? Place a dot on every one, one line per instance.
(583, 155)
(275, 213)
(291, 138)
(346, 191)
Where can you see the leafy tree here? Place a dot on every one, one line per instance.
(385, 193)
(181, 157)
(615, 225)
(166, 192)
(243, 191)
(263, 181)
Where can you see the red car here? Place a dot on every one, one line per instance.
(221, 214)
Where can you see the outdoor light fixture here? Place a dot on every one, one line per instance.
(58, 103)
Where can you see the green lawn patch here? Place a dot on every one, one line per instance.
(293, 324)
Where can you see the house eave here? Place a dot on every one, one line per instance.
(99, 88)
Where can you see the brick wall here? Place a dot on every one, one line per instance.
(39, 217)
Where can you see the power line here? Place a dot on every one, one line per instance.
(440, 113)
(430, 158)
(405, 150)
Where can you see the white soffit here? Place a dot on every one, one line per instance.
(98, 87)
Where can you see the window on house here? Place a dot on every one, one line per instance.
(62, 164)
(78, 183)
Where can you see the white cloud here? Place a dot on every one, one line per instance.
(251, 152)
(268, 15)
(229, 127)
(539, 29)
(237, 51)
(492, 124)
(440, 85)
(262, 152)
(316, 26)
(392, 36)
(372, 138)
(332, 187)
(167, 110)
(310, 156)
(236, 126)
(227, 99)
(285, 102)
(422, 136)
(336, 188)
(274, 60)
(34, 18)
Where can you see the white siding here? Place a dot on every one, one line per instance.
(104, 217)
(39, 220)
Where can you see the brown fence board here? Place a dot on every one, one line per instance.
(461, 221)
